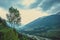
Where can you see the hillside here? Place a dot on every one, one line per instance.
(48, 27)
(7, 33)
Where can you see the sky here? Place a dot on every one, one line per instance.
(30, 9)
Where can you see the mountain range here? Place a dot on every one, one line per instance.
(48, 27)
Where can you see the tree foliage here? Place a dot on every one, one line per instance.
(14, 16)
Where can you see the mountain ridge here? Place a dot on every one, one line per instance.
(45, 27)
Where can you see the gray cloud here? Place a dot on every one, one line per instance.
(48, 4)
(45, 6)
(54, 10)
(7, 3)
(35, 4)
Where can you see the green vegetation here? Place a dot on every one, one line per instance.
(14, 16)
(7, 33)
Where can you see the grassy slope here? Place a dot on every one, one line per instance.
(7, 33)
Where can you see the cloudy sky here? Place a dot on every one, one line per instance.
(30, 9)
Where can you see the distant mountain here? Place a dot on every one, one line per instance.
(47, 27)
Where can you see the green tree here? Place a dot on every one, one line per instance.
(14, 16)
